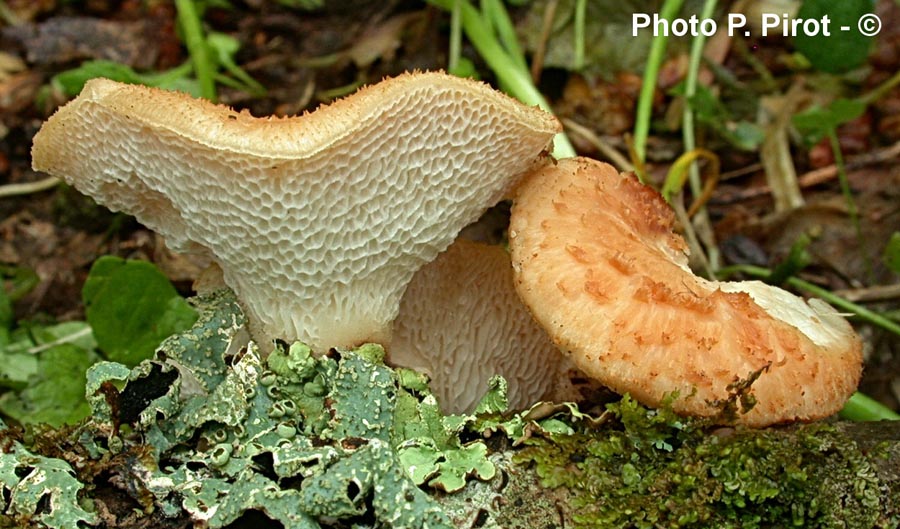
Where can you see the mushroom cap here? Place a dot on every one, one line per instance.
(318, 221)
(597, 263)
(461, 322)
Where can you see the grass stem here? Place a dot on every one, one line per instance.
(512, 77)
(455, 37)
(580, 12)
(189, 19)
(861, 407)
(651, 73)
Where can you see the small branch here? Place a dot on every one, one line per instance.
(27, 188)
(870, 294)
(607, 150)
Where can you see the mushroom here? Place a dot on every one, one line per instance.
(318, 222)
(461, 322)
(596, 261)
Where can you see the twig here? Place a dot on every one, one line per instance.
(607, 150)
(27, 188)
(537, 62)
(868, 294)
(816, 176)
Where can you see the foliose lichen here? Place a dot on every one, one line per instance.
(209, 433)
(308, 441)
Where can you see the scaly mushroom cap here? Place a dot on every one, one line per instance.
(598, 264)
(319, 221)
(462, 322)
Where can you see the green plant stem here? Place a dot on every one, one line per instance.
(499, 18)
(690, 140)
(881, 90)
(859, 311)
(651, 72)
(455, 37)
(861, 407)
(190, 23)
(852, 210)
(690, 88)
(580, 12)
(515, 79)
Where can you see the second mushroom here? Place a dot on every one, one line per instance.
(597, 262)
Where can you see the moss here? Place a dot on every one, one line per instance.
(659, 470)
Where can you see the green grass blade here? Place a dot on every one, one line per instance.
(195, 41)
(651, 72)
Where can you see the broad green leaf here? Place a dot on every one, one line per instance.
(16, 367)
(815, 122)
(841, 50)
(74, 332)
(892, 253)
(55, 392)
(710, 111)
(132, 307)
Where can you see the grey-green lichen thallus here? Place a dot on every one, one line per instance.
(318, 222)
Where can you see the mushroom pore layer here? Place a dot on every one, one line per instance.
(462, 322)
(318, 222)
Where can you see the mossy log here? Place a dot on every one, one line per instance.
(839, 474)
(211, 434)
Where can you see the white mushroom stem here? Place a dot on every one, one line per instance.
(599, 266)
(461, 322)
(318, 222)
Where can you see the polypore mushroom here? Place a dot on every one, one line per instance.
(461, 322)
(319, 221)
(598, 264)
